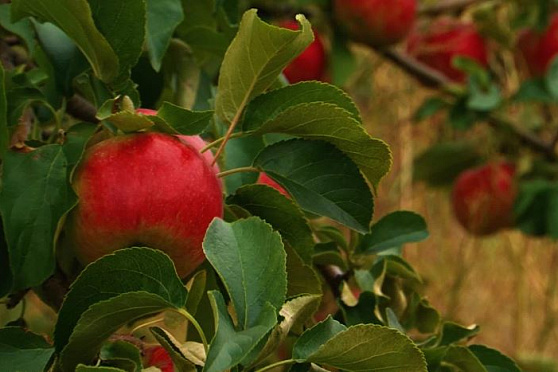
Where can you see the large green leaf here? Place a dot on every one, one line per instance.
(249, 257)
(333, 124)
(463, 359)
(127, 270)
(311, 340)
(123, 25)
(104, 318)
(268, 106)
(493, 360)
(22, 349)
(163, 16)
(265, 50)
(229, 347)
(393, 230)
(321, 179)
(184, 121)
(75, 18)
(301, 277)
(370, 348)
(280, 212)
(35, 195)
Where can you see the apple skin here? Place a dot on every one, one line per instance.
(483, 198)
(311, 63)
(264, 179)
(445, 39)
(539, 48)
(146, 189)
(157, 356)
(378, 23)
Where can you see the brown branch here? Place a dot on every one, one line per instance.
(448, 6)
(82, 109)
(433, 79)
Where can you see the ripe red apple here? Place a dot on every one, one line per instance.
(483, 198)
(539, 48)
(266, 180)
(157, 356)
(311, 63)
(377, 23)
(444, 39)
(144, 189)
(195, 141)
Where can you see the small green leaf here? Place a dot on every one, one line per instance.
(126, 270)
(236, 250)
(301, 277)
(483, 99)
(4, 132)
(280, 212)
(184, 121)
(364, 311)
(342, 61)
(129, 121)
(74, 17)
(22, 349)
(268, 106)
(463, 359)
(267, 50)
(453, 332)
(551, 79)
(394, 230)
(333, 124)
(229, 347)
(196, 288)
(493, 360)
(430, 107)
(311, 340)
(241, 152)
(84, 368)
(6, 276)
(163, 16)
(533, 90)
(172, 346)
(35, 195)
(321, 179)
(328, 254)
(121, 351)
(23, 28)
(461, 117)
(370, 348)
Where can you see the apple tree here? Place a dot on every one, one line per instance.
(138, 142)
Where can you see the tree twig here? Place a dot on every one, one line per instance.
(82, 109)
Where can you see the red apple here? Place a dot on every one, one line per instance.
(266, 180)
(195, 141)
(157, 356)
(483, 198)
(445, 39)
(144, 189)
(539, 48)
(311, 63)
(377, 23)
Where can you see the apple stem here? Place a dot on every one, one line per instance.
(237, 170)
(197, 326)
(276, 364)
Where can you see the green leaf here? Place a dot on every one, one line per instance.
(130, 121)
(4, 132)
(184, 121)
(6, 276)
(77, 137)
(172, 346)
(330, 123)
(430, 107)
(163, 16)
(268, 106)
(551, 79)
(104, 318)
(461, 117)
(533, 90)
(464, 359)
(311, 341)
(280, 212)
(441, 164)
(121, 351)
(370, 348)
(364, 311)
(342, 62)
(122, 23)
(301, 277)
(394, 230)
(196, 288)
(236, 250)
(126, 270)
(241, 152)
(228, 346)
(321, 179)
(483, 99)
(23, 28)
(453, 332)
(267, 50)
(328, 254)
(84, 368)
(22, 349)
(74, 17)
(35, 195)
(493, 360)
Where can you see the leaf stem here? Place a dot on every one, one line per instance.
(277, 364)
(197, 326)
(218, 141)
(237, 170)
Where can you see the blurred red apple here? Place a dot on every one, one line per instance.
(377, 23)
(445, 39)
(539, 48)
(195, 141)
(157, 356)
(266, 180)
(311, 63)
(483, 198)
(144, 189)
